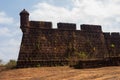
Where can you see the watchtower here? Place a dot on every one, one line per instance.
(24, 19)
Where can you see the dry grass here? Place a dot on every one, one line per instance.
(61, 73)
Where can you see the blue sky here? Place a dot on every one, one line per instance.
(102, 12)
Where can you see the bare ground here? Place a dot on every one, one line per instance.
(61, 73)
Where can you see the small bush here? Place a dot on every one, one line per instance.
(11, 64)
(38, 65)
(0, 62)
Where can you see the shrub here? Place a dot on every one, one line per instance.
(11, 64)
(0, 62)
(38, 65)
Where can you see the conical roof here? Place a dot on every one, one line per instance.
(24, 12)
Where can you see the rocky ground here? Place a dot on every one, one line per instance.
(61, 73)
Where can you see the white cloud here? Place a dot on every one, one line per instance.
(103, 12)
(103, 8)
(9, 43)
(4, 31)
(9, 33)
(4, 19)
(10, 37)
(50, 12)
(9, 49)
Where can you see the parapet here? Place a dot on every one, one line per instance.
(107, 35)
(90, 28)
(115, 34)
(111, 35)
(66, 26)
(41, 24)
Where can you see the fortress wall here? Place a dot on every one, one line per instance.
(44, 46)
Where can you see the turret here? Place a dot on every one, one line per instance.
(24, 19)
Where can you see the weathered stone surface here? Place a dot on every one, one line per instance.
(43, 46)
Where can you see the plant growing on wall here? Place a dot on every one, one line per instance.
(112, 50)
(37, 45)
(90, 49)
(81, 55)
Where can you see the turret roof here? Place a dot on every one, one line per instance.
(24, 12)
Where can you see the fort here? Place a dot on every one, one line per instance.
(43, 45)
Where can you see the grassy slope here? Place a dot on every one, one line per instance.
(61, 73)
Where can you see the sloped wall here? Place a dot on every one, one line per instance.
(44, 46)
